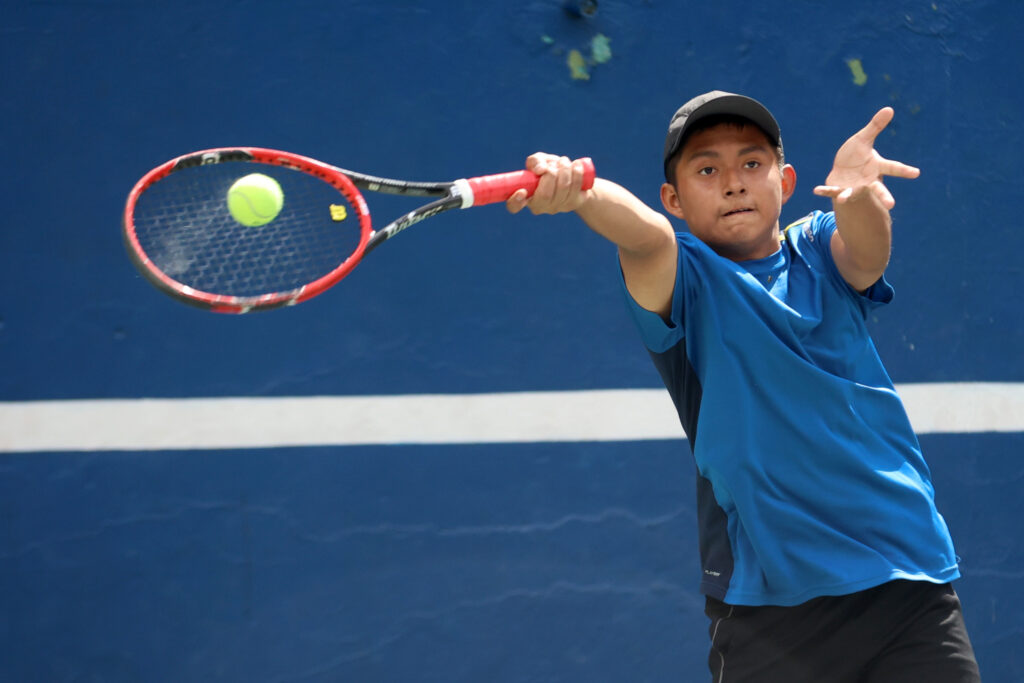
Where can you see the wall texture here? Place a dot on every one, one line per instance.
(564, 560)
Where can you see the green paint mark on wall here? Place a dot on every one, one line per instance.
(600, 50)
(857, 69)
(578, 66)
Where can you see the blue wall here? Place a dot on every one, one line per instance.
(556, 562)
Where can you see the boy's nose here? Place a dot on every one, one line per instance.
(733, 184)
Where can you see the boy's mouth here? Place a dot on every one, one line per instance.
(736, 211)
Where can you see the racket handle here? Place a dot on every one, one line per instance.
(490, 189)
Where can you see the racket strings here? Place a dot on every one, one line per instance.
(185, 229)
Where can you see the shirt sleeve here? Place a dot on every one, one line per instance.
(660, 334)
(816, 232)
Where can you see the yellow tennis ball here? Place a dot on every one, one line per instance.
(255, 199)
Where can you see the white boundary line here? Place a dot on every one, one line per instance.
(529, 417)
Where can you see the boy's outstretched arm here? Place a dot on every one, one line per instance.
(646, 241)
(861, 243)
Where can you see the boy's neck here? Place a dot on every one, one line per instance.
(762, 249)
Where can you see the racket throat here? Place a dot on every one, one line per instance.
(452, 201)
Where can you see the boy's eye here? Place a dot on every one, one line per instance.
(707, 170)
(752, 164)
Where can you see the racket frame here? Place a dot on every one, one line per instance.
(348, 183)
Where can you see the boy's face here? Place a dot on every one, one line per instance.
(730, 191)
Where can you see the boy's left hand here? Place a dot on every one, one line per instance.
(858, 169)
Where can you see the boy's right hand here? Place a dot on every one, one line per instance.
(558, 190)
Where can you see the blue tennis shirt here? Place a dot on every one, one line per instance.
(810, 479)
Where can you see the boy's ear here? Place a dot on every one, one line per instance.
(670, 200)
(788, 182)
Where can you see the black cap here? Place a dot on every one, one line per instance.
(718, 102)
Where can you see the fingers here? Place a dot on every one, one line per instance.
(882, 193)
(558, 189)
(566, 181)
(882, 118)
(898, 169)
(517, 202)
(859, 169)
(886, 167)
(842, 195)
(539, 161)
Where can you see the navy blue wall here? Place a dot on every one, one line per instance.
(475, 562)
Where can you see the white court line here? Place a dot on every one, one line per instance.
(528, 417)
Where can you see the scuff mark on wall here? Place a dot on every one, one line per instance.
(857, 69)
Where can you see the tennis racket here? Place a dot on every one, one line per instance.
(180, 234)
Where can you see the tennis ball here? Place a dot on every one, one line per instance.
(255, 199)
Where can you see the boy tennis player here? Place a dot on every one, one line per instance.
(824, 558)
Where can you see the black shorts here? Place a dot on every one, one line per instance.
(897, 632)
